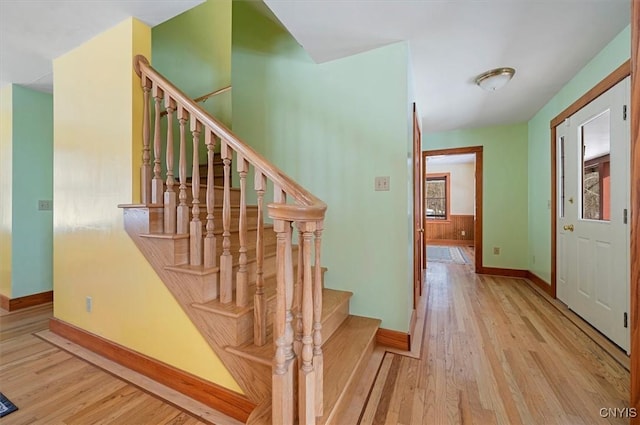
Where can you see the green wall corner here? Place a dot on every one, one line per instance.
(334, 127)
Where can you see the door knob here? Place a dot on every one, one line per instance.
(568, 227)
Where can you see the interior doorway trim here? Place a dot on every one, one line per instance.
(477, 227)
(608, 82)
(634, 254)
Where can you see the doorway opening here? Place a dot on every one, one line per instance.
(452, 205)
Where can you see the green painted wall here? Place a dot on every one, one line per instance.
(333, 127)
(539, 148)
(193, 50)
(504, 188)
(32, 240)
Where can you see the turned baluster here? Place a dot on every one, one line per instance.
(297, 299)
(157, 183)
(145, 168)
(195, 229)
(226, 259)
(283, 397)
(210, 240)
(182, 218)
(306, 373)
(259, 302)
(241, 276)
(170, 194)
(280, 197)
(318, 361)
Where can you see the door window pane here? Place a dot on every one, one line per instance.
(596, 183)
(561, 190)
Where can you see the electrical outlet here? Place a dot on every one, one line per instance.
(89, 304)
(45, 205)
(496, 250)
(463, 233)
(382, 183)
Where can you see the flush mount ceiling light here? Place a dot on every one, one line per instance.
(495, 79)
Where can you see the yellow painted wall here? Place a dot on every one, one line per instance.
(97, 113)
(6, 159)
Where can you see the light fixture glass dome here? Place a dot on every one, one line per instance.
(495, 79)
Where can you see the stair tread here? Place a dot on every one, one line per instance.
(332, 299)
(164, 236)
(343, 353)
(231, 309)
(193, 270)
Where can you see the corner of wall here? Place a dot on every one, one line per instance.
(94, 165)
(6, 170)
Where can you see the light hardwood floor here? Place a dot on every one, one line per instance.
(495, 351)
(51, 386)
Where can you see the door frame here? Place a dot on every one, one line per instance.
(477, 226)
(418, 211)
(622, 72)
(634, 206)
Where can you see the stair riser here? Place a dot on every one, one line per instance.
(269, 244)
(218, 195)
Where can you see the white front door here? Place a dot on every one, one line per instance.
(593, 198)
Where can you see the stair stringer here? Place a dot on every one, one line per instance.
(255, 384)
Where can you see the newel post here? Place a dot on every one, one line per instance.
(283, 391)
(307, 372)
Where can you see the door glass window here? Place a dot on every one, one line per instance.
(596, 183)
(561, 177)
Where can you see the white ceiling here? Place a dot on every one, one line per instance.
(453, 41)
(33, 32)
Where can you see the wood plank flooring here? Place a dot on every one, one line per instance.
(495, 351)
(51, 386)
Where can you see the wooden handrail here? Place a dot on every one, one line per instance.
(309, 208)
(204, 97)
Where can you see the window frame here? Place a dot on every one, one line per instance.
(447, 184)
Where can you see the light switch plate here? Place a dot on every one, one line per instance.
(45, 205)
(382, 183)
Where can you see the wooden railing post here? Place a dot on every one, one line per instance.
(145, 168)
(318, 361)
(182, 220)
(210, 259)
(283, 392)
(306, 373)
(259, 302)
(226, 259)
(156, 183)
(297, 298)
(195, 229)
(241, 277)
(170, 198)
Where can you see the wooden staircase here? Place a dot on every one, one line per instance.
(256, 297)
